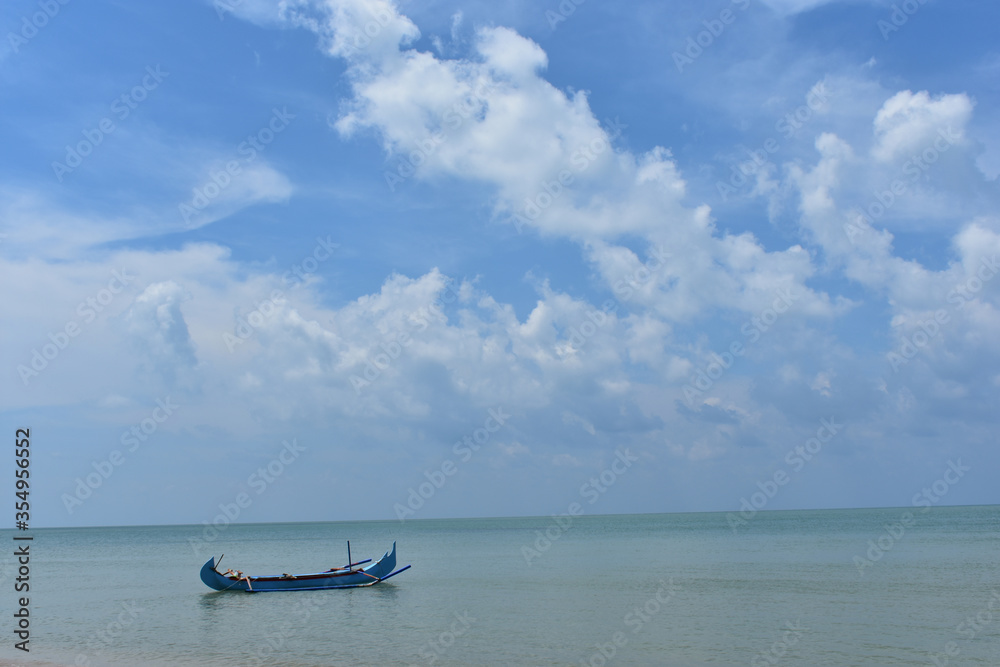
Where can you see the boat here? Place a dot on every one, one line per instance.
(349, 576)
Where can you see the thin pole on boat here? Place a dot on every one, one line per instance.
(349, 561)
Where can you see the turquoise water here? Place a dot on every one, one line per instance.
(667, 589)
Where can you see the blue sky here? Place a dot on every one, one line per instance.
(343, 242)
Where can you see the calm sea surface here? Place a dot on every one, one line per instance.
(793, 588)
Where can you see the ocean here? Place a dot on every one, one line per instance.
(833, 587)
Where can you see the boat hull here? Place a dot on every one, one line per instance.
(376, 572)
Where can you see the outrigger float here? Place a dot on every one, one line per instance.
(349, 576)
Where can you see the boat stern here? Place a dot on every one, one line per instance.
(214, 580)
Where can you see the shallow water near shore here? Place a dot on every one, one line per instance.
(828, 587)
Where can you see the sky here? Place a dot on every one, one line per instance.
(360, 259)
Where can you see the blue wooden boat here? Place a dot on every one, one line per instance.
(349, 576)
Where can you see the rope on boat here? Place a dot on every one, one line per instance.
(245, 577)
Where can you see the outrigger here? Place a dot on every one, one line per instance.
(349, 576)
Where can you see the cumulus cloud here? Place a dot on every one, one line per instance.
(408, 367)
(911, 122)
(937, 337)
(492, 117)
(155, 326)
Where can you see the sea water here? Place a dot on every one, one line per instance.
(831, 587)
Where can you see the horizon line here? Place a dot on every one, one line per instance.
(529, 516)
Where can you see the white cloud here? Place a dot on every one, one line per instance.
(911, 122)
(218, 194)
(155, 327)
(492, 118)
(940, 327)
(405, 369)
(511, 56)
(184, 197)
